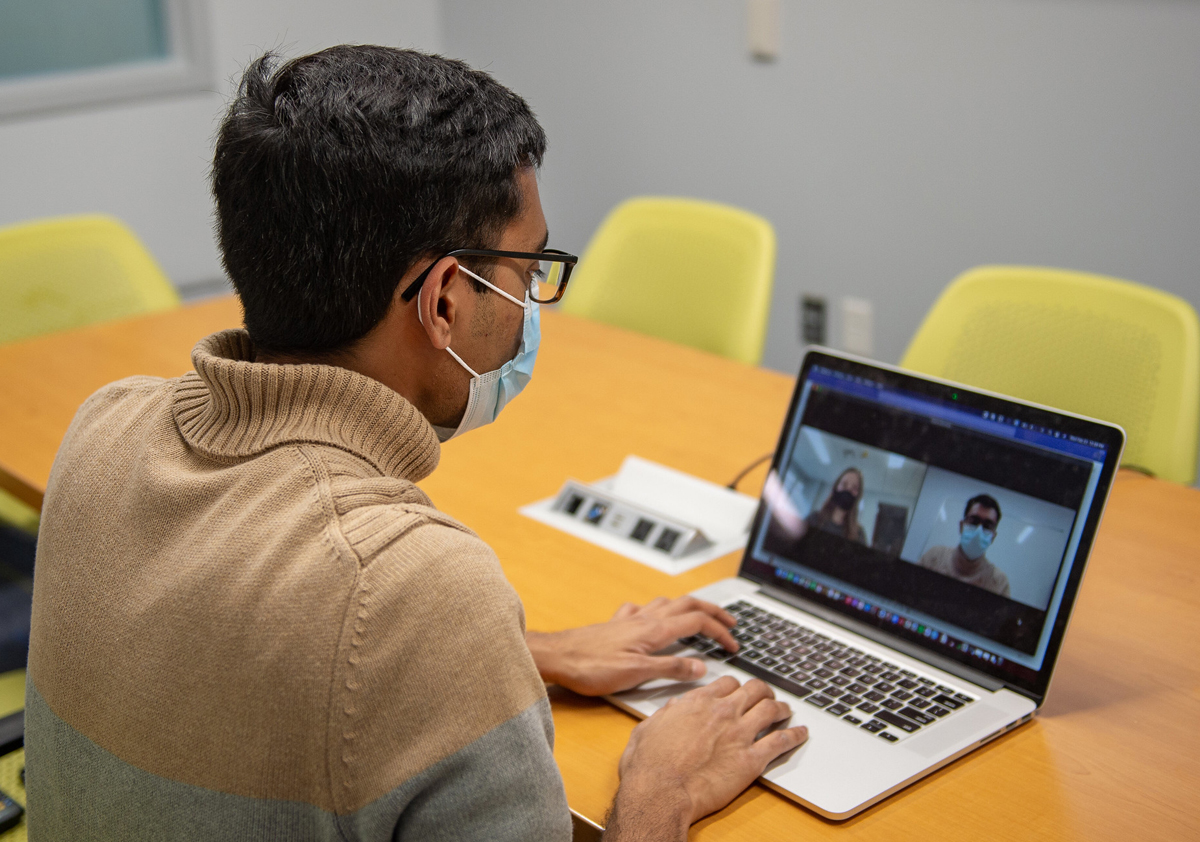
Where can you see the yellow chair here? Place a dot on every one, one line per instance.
(12, 692)
(13, 512)
(56, 274)
(1092, 345)
(12, 699)
(11, 766)
(697, 273)
(66, 272)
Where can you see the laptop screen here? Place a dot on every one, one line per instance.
(955, 520)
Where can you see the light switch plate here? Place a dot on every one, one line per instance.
(762, 28)
(858, 326)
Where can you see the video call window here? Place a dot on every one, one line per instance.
(1005, 542)
(845, 488)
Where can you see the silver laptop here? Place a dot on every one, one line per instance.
(909, 573)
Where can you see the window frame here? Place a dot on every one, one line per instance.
(188, 67)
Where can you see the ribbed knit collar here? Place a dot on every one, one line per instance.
(231, 407)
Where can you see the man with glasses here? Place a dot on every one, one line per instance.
(968, 561)
(249, 622)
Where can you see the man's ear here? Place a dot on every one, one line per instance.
(439, 301)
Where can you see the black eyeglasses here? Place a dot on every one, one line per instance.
(988, 524)
(550, 275)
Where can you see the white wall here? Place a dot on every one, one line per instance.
(893, 144)
(147, 162)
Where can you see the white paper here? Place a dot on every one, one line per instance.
(722, 514)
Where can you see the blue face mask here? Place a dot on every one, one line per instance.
(974, 541)
(492, 391)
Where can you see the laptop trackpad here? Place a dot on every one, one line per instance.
(970, 725)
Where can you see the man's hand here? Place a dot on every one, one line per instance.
(614, 656)
(694, 756)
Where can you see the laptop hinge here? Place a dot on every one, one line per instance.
(945, 664)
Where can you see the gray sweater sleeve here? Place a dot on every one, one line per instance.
(503, 787)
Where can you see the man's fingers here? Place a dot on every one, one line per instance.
(626, 610)
(765, 714)
(685, 625)
(727, 619)
(722, 687)
(719, 632)
(778, 742)
(751, 693)
(629, 609)
(668, 666)
(688, 604)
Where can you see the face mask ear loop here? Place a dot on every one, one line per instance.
(421, 292)
(459, 359)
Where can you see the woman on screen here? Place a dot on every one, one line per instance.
(839, 514)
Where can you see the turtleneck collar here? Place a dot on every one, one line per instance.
(231, 407)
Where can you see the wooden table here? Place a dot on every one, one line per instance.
(43, 380)
(1114, 753)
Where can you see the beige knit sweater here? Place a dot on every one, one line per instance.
(248, 622)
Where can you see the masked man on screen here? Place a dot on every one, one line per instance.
(248, 620)
(968, 561)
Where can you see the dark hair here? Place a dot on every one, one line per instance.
(985, 500)
(337, 171)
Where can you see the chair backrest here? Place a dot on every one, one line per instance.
(698, 273)
(66, 272)
(1097, 346)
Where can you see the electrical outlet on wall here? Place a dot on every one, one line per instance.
(814, 320)
(858, 326)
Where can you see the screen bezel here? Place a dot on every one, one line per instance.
(1111, 435)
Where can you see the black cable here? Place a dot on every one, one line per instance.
(733, 483)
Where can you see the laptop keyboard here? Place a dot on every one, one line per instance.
(861, 689)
